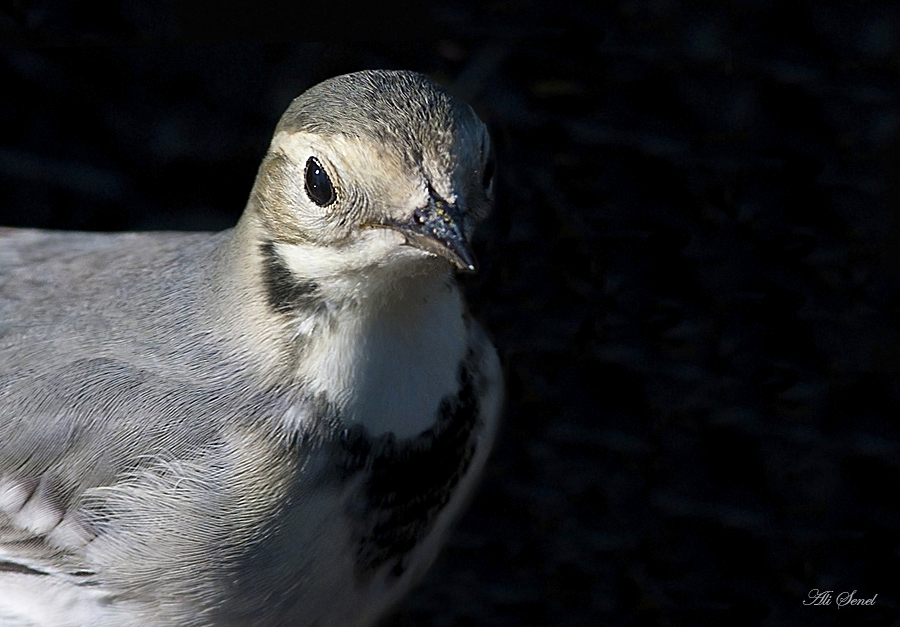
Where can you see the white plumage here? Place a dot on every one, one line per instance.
(272, 425)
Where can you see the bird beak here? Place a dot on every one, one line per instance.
(437, 228)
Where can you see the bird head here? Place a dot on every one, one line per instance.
(375, 169)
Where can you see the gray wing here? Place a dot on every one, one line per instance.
(115, 404)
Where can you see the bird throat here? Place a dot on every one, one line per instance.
(385, 362)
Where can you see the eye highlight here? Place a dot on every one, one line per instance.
(318, 184)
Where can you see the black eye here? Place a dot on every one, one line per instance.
(318, 185)
(487, 176)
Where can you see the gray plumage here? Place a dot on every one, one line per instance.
(272, 425)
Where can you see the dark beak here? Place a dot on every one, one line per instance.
(437, 228)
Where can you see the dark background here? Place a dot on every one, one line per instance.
(692, 276)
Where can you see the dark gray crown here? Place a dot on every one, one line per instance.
(384, 105)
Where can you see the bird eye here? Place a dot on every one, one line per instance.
(318, 185)
(487, 177)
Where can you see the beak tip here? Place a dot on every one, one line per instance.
(464, 260)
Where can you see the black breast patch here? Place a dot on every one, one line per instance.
(408, 482)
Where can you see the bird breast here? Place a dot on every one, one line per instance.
(388, 367)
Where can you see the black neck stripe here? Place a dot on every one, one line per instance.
(285, 292)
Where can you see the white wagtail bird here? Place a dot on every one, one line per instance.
(271, 425)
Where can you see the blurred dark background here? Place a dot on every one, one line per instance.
(692, 275)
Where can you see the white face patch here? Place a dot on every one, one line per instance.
(374, 247)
